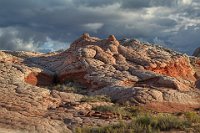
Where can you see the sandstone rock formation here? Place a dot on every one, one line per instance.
(126, 70)
(110, 63)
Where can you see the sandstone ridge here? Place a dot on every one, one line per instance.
(126, 70)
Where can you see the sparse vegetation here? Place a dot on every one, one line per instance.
(115, 109)
(193, 117)
(141, 120)
(145, 123)
(163, 122)
(106, 108)
(97, 98)
(69, 87)
(135, 110)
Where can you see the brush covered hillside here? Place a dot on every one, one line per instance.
(100, 85)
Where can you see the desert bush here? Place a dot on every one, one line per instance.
(69, 87)
(193, 117)
(135, 110)
(163, 122)
(146, 123)
(167, 122)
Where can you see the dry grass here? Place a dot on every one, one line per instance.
(97, 98)
(145, 122)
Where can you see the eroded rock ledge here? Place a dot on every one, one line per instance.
(126, 70)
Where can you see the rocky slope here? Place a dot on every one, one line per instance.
(125, 70)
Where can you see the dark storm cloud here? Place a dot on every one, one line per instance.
(138, 4)
(135, 3)
(187, 40)
(53, 24)
(94, 3)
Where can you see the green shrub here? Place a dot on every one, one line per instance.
(168, 122)
(144, 120)
(135, 111)
(144, 123)
(163, 122)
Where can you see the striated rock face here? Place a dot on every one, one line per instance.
(179, 68)
(126, 70)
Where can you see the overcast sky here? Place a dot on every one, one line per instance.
(43, 25)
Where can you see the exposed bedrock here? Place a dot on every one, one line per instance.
(100, 63)
(126, 70)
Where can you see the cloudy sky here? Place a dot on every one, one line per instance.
(43, 25)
